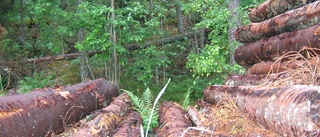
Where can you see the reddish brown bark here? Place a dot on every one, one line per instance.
(289, 21)
(104, 124)
(245, 80)
(289, 111)
(130, 125)
(44, 111)
(272, 48)
(269, 67)
(271, 8)
(173, 120)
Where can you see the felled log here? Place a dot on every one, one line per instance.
(271, 8)
(173, 120)
(271, 49)
(245, 80)
(289, 111)
(105, 123)
(168, 40)
(130, 125)
(46, 111)
(264, 68)
(289, 21)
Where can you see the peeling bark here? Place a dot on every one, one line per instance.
(104, 123)
(289, 21)
(130, 125)
(272, 48)
(271, 8)
(46, 111)
(289, 111)
(245, 80)
(173, 120)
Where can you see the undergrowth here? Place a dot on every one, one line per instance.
(38, 80)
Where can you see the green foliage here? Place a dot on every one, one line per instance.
(186, 100)
(143, 105)
(214, 59)
(38, 80)
(146, 62)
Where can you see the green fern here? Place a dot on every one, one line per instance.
(38, 80)
(186, 100)
(143, 105)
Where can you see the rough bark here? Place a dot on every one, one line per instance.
(168, 40)
(130, 125)
(233, 24)
(173, 120)
(104, 124)
(271, 48)
(289, 21)
(46, 111)
(289, 111)
(271, 8)
(245, 80)
(179, 17)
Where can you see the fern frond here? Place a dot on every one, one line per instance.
(147, 97)
(186, 100)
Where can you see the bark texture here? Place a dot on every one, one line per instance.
(272, 48)
(130, 125)
(245, 80)
(173, 120)
(105, 123)
(289, 21)
(46, 111)
(289, 111)
(271, 8)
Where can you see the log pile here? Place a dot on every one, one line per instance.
(47, 111)
(280, 51)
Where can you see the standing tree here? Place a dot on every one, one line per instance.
(233, 23)
(84, 63)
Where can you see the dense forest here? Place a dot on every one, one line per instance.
(135, 44)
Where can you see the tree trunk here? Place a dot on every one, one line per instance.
(84, 70)
(21, 28)
(272, 48)
(179, 17)
(289, 111)
(104, 123)
(46, 111)
(271, 8)
(233, 24)
(297, 19)
(113, 38)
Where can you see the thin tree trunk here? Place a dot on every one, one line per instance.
(233, 24)
(21, 28)
(84, 70)
(179, 17)
(113, 38)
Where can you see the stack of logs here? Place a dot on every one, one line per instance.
(279, 40)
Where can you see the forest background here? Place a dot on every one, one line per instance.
(136, 44)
